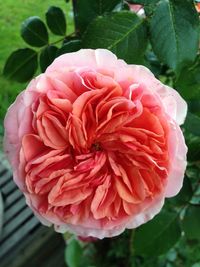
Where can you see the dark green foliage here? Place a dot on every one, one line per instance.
(56, 21)
(21, 65)
(194, 106)
(188, 82)
(71, 46)
(184, 195)
(123, 32)
(87, 10)
(192, 123)
(149, 237)
(191, 222)
(34, 32)
(47, 56)
(193, 144)
(174, 30)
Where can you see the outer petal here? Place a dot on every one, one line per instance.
(94, 59)
(17, 123)
(81, 58)
(11, 138)
(178, 151)
(145, 215)
(179, 109)
(107, 60)
(174, 104)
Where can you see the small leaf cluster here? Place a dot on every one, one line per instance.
(23, 63)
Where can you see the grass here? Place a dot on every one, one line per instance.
(12, 14)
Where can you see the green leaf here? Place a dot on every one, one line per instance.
(73, 253)
(194, 106)
(191, 222)
(87, 10)
(192, 124)
(153, 63)
(174, 30)
(157, 236)
(124, 6)
(193, 172)
(21, 65)
(56, 21)
(47, 56)
(34, 32)
(188, 83)
(124, 33)
(88, 258)
(184, 195)
(193, 144)
(71, 46)
(196, 196)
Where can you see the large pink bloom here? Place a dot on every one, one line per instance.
(95, 144)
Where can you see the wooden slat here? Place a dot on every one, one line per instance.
(17, 236)
(12, 198)
(16, 223)
(5, 177)
(2, 169)
(14, 210)
(41, 247)
(24, 241)
(8, 187)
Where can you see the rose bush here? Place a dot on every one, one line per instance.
(95, 144)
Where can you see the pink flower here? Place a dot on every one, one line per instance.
(95, 144)
(197, 5)
(138, 9)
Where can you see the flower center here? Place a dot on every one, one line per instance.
(96, 147)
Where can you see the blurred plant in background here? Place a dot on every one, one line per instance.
(166, 40)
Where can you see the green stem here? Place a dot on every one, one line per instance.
(63, 38)
(58, 41)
